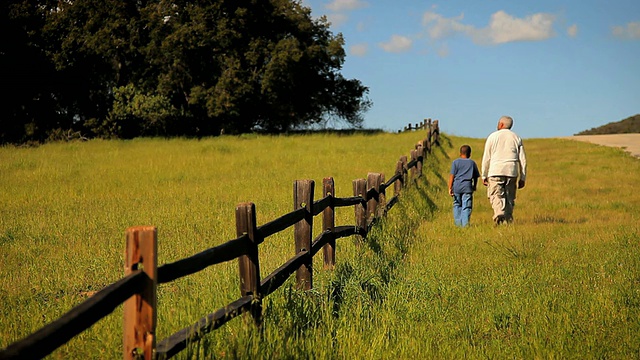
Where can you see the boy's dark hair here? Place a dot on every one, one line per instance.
(466, 150)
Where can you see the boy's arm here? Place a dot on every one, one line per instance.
(476, 175)
(451, 184)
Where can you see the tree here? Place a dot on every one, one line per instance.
(245, 64)
(158, 67)
(95, 46)
(28, 104)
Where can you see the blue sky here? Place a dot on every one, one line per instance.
(557, 67)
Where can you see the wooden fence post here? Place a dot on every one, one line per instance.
(373, 182)
(428, 135)
(139, 333)
(414, 156)
(405, 171)
(420, 157)
(382, 197)
(328, 223)
(360, 189)
(397, 185)
(249, 265)
(303, 198)
(436, 132)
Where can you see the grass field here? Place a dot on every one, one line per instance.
(563, 281)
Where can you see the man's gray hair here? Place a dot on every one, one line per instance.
(507, 121)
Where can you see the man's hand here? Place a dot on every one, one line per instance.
(485, 182)
(450, 192)
(520, 184)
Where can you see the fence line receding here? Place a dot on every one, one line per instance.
(137, 289)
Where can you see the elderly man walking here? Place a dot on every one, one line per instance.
(503, 161)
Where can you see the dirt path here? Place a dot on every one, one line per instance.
(629, 142)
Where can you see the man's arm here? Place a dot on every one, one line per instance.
(522, 159)
(486, 160)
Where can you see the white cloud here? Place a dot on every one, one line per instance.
(337, 19)
(344, 5)
(629, 31)
(502, 28)
(359, 49)
(443, 50)
(439, 27)
(397, 44)
(572, 31)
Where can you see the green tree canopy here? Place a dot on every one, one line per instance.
(127, 69)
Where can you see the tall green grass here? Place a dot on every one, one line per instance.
(563, 281)
(65, 208)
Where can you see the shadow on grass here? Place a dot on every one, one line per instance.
(362, 283)
(549, 219)
(445, 141)
(365, 280)
(517, 248)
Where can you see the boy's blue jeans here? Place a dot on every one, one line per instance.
(462, 206)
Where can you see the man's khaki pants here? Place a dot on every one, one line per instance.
(501, 192)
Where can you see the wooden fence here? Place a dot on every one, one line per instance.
(137, 290)
(423, 125)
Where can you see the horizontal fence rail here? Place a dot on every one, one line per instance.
(78, 319)
(137, 290)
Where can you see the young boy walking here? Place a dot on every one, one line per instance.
(463, 180)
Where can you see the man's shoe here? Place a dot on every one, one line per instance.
(499, 220)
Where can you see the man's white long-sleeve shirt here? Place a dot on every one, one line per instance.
(504, 155)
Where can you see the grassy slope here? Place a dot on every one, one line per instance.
(626, 126)
(65, 208)
(562, 282)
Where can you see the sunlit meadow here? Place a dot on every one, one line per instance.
(563, 281)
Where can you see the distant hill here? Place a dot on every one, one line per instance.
(626, 126)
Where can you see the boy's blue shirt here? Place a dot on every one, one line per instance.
(463, 171)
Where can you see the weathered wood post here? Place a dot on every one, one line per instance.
(436, 132)
(328, 223)
(414, 156)
(139, 333)
(303, 198)
(249, 264)
(373, 182)
(397, 185)
(424, 150)
(382, 197)
(405, 171)
(428, 135)
(360, 189)
(420, 157)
